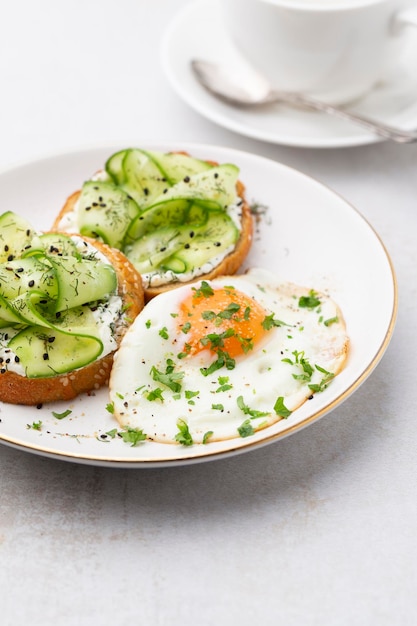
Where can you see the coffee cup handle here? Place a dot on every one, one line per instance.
(406, 17)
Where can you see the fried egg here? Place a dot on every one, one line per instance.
(225, 358)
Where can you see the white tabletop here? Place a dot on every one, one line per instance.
(316, 529)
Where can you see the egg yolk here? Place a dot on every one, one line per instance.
(220, 319)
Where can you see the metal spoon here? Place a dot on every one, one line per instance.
(222, 85)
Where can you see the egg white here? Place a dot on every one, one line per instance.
(224, 409)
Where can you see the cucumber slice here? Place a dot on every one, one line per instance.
(29, 274)
(208, 242)
(174, 264)
(180, 248)
(149, 251)
(114, 167)
(217, 184)
(15, 236)
(105, 211)
(178, 212)
(81, 281)
(56, 244)
(8, 315)
(176, 166)
(143, 180)
(48, 352)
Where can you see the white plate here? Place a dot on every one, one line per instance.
(198, 32)
(307, 234)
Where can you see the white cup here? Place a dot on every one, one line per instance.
(334, 50)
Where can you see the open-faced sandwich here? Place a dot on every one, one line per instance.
(175, 217)
(65, 303)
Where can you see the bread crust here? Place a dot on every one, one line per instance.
(17, 389)
(228, 266)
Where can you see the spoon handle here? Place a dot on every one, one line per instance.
(383, 130)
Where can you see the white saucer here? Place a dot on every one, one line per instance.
(198, 32)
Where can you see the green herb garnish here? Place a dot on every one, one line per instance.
(246, 429)
(170, 378)
(164, 333)
(183, 435)
(204, 290)
(310, 301)
(248, 411)
(280, 408)
(60, 416)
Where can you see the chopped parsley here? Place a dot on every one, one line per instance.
(207, 436)
(216, 340)
(223, 360)
(129, 435)
(35, 425)
(330, 321)
(280, 408)
(155, 394)
(204, 291)
(321, 386)
(183, 435)
(170, 378)
(310, 301)
(224, 384)
(217, 407)
(270, 322)
(164, 333)
(189, 395)
(60, 416)
(246, 429)
(248, 411)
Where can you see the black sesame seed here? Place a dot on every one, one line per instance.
(145, 191)
(186, 246)
(39, 406)
(187, 179)
(10, 257)
(6, 248)
(88, 208)
(216, 175)
(45, 356)
(31, 283)
(16, 359)
(51, 339)
(217, 243)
